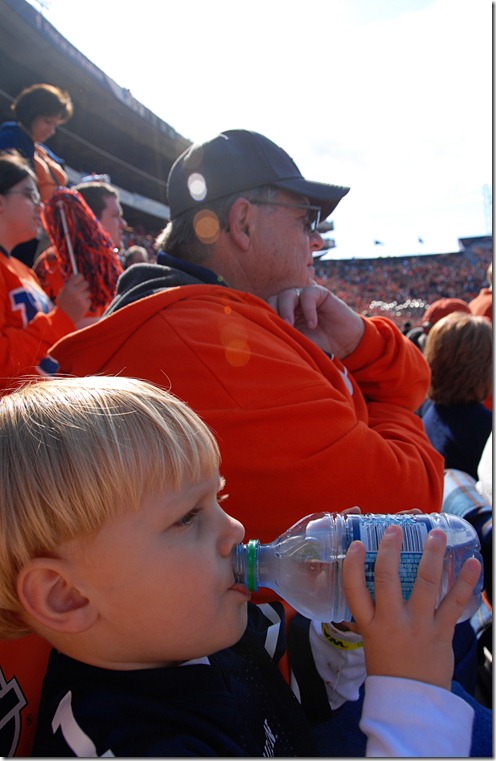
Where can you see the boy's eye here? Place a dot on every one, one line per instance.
(188, 519)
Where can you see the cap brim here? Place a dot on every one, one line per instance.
(318, 193)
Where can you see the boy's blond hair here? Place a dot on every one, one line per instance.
(74, 452)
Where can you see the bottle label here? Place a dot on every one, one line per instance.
(408, 571)
(414, 536)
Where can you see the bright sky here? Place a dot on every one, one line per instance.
(392, 98)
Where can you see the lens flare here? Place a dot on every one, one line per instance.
(207, 227)
(197, 186)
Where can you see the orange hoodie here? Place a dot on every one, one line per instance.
(298, 432)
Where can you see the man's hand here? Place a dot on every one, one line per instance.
(409, 639)
(322, 317)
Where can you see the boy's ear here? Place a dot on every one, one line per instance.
(48, 596)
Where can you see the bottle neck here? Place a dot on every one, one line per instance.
(245, 563)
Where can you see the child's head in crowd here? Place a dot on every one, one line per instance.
(112, 543)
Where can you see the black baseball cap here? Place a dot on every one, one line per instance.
(238, 160)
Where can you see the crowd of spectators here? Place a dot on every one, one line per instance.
(401, 288)
(138, 236)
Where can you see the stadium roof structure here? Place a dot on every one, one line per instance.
(482, 241)
(110, 132)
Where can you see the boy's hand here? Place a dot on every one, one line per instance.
(409, 639)
(352, 626)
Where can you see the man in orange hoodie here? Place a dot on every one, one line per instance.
(314, 407)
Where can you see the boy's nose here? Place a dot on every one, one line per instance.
(232, 535)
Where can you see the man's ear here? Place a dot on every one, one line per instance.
(45, 590)
(240, 222)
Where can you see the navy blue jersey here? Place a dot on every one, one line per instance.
(233, 703)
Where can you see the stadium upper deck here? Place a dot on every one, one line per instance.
(110, 132)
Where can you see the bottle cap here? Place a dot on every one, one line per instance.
(251, 574)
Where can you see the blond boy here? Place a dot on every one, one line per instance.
(113, 546)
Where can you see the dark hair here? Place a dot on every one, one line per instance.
(459, 352)
(13, 169)
(95, 193)
(42, 100)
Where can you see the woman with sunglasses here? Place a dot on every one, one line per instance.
(29, 322)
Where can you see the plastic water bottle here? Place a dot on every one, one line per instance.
(305, 564)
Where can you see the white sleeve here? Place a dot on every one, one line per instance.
(339, 660)
(485, 471)
(402, 717)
